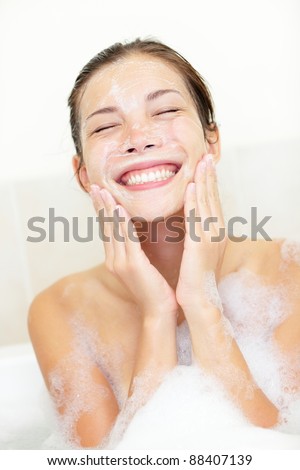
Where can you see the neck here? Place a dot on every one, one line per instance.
(163, 245)
(163, 253)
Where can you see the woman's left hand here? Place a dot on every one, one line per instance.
(213, 343)
(205, 240)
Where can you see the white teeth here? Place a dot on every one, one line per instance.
(151, 176)
(144, 178)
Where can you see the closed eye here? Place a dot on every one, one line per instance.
(104, 128)
(171, 110)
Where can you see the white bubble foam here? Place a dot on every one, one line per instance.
(71, 382)
(184, 347)
(290, 251)
(189, 409)
(184, 400)
(142, 392)
(251, 306)
(211, 291)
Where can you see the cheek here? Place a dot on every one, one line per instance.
(96, 158)
(100, 150)
(190, 134)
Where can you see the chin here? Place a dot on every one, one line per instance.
(150, 214)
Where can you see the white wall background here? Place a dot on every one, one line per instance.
(248, 51)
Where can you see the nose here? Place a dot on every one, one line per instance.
(139, 141)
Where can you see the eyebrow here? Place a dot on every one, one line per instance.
(156, 94)
(106, 110)
(150, 97)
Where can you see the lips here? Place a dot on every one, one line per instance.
(149, 174)
(144, 172)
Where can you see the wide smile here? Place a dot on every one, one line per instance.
(150, 177)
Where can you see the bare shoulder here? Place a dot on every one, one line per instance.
(66, 293)
(275, 260)
(278, 264)
(52, 309)
(69, 368)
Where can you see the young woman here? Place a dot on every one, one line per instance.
(147, 146)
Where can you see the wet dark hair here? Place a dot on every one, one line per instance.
(154, 48)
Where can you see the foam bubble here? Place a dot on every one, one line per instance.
(189, 409)
(290, 251)
(255, 310)
(142, 387)
(71, 383)
(211, 290)
(251, 306)
(184, 346)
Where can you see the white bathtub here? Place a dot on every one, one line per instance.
(27, 420)
(23, 421)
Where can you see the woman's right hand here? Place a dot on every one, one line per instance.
(126, 259)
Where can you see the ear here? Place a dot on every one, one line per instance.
(81, 173)
(213, 144)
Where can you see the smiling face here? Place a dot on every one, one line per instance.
(141, 135)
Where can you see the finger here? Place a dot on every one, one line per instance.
(215, 204)
(192, 221)
(213, 193)
(202, 201)
(99, 205)
(115, 229)
(96, 197)
(107, 230)
(119, 238)
(132, 243)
